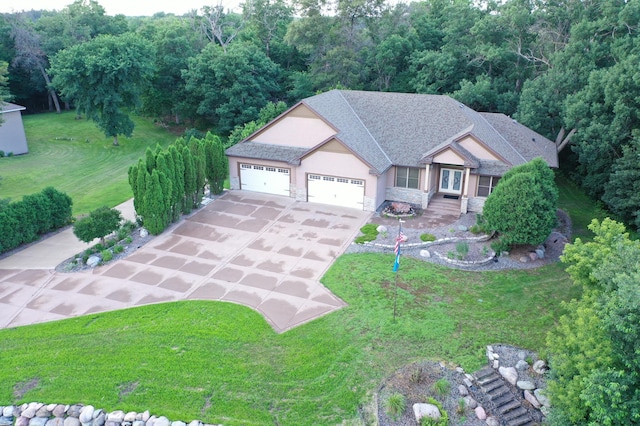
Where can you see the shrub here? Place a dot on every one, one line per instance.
(106, 255)
(462, 248)
(98, 248)
(442, 387)
(444, 416)
(370, 231)
(128, 240)
(461, 407)
(476, 229)
(395, 405)
(9, 154)
(427, 237)
(100, 223)
(118, 249)
(499, 245)
(1, 153)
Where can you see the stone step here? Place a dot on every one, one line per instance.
(515, 413)
(488, 387)
(502, 399)
(521, 421)
(499, 392)
(484, 373)
(509, 407)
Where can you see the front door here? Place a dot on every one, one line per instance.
(451, 181)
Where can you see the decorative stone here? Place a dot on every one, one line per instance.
(426, 410)
(462, 389)
(522, 365)
(533, 256)
(462, 228)
(524, 259)
(542, 398)
(468, 376)
(467, 382)
(38, 421)
(112, 423)
(146, 415)
(460, 370)
(470, 402)
(381, 229)
(522, 355)
(138, 423)
(130, 416)
(162, 421)
(29, 413)
(144, 233)
(100, 419)
(496, 364)
(151, 421)
(525, 385)
(480, 413)
(116, 416)
(532, 399)
(71, 421)
(509, 373)
(195, 423)
(59, 410)
(43, 412)
(51, 407)
(178, 423)
(56, 421)
(490, 348)
(425, 253)
(89, 423)
(496, 356)
(545, 410)
(540, 253)
(492, 421)
(6, 421)
(22, 421)
(540, 366)
(93, 261)
(86, 414)
(8, 411)
(74, 410)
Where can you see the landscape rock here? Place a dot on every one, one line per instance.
(462, 389)
(38, 421)
(43, 412)
(71, 421)
(425, 253)
(8, 411)
(138, 423)
(470, 402)
(522, 365)
(532, 399)
(524, 259)
(115, 416)
(496, 364)
(540, 253)
(143, 233)
(178, 423)
(381, 229)
(6, 421)
(22, 421)
(480, 413)
(533, 256)
(162, 421)
(540, 366)
(100, 419)
(56, 421)
(525, 385)
(509, 373)
(93, 261)
(29, 412)
(59, 410)
(146, 415)
(522, 355)
(467, 382)
(195, 423)
(460, 370)
(492, 421)
(151, 421)
(86, 414)
(462, 228)
(130, 416)
(51, 407)
(74, 410)
(542, 398)
(426, 410)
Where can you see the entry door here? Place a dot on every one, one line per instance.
(451, 181)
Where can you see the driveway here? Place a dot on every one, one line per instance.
(265, 252)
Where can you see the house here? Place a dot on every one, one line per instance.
(358, 149)
(12, 137)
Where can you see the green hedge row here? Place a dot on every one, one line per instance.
(24, 221)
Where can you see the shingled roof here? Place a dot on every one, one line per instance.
(402, 129)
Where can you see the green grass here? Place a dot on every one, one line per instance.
(580, 207)
(92, 173)
(221, 362)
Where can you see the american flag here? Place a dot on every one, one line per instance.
(396, 250)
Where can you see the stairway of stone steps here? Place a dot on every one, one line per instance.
(501, 399)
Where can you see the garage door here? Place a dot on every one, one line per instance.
(336, 191)
(272, 180)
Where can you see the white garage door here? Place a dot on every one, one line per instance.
(272, 180)
(336, 191)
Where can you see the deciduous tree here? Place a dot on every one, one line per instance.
(98, 224)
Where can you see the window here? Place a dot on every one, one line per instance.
(407, 177)
(486, 184)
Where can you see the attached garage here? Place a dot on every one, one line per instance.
(267, 179)
(336, 191)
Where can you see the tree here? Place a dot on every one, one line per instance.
(594, 351)
(522, 208)
(4, 85)
(100, 223)
(217, 168)
(103, 77)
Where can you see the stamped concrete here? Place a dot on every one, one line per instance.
(265, 252)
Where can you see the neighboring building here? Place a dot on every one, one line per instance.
(12, 137)
(358, 149)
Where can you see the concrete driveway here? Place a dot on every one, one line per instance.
(265, 252)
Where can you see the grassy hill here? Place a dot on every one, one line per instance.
(75, 157)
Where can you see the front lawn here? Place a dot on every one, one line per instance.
(222, 363)
(75, 157)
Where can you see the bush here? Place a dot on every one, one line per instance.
(476, 229)
(106, 255)
(444, 416)
(442, 387)
(462, 248)
(1, 153)
(395, 405)
(117, 249)
(370, 231)
(427, 237)
(100, 223)
(128, 240)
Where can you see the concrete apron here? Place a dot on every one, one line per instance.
(265, 252)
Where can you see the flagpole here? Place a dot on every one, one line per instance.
(396, 267)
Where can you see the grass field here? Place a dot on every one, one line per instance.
(75, 157)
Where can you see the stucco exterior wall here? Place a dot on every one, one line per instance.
(295, 131)
(12, 136)
(473, 185)
(477, 149)
(336, 164)
(234, 170)
(448, 157)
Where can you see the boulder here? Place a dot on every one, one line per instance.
(524, 259)
(195, 423)
(138, 423)
(492, 421)
(29, 412)
(162, 421)
(531, 399)
(8, 411)
(130, 416)
(462, 228)
(540, 253)
(100, 419)
(462, 389)
(178, 423)
(145, 416)
(496, 364)
(86, 414)
(43, 412)
(151, 421)
(480, 413)
(522, 365)
(381, 229)
(470, 402)
(56, 421)
(115, 416)
(425, 253)
(6, 421)
(51, 407)
(542, 398)
(525, 385)
(540, 366)
(22, 421)
(71, 421)
(93, 261)
(533, 256)
(59, 410)
(74, 410)
(143, 233)
(38, 421)
(426, 410)
(509, 373)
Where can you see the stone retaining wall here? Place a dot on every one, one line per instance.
(39, 414)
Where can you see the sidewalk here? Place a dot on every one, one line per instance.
(49, 253)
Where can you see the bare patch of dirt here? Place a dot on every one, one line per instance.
(21, 389)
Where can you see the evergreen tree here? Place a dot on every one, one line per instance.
(190, 187)
(155, 207)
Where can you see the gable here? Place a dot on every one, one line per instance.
(477, 149)
(299, 127)
(448, 156)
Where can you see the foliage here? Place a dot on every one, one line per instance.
(36, 214)
(100, 223)
(4, 89)
(522, 207)
(104, 76)
(106, 255)
(596, 372)
(442, 387)
(427, 237)
(370, 233)
(395, 405)
(444, 416)
(622, 191)
(462, 249)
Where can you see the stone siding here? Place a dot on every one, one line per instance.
(406, 195)
(300, 194)
(369, 204)
(234, 182)
(476, 204)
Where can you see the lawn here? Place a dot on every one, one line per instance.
(580, 207)
(75, 157)
(222, 363)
